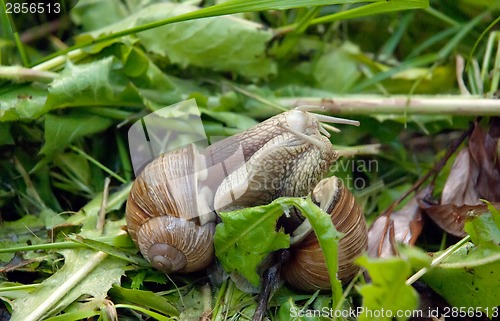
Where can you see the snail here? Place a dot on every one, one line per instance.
(171, 208)
(306, 270)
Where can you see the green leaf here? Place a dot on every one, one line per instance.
(125, 255)
(204, 43)
(245, 237)
(89, 14)
(92, 84)
(85, 272)
(338, 69)
(388, 290)
(377, 7)
(60, 131)
(145, 298)
(470, 277)
(23, 103)
(484, 231)
(231, 119)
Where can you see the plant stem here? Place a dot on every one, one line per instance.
(399, 104)
(437, 260)
(21, 74)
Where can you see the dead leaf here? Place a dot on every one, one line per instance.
(475, 175)
(451, 218)
(460, 185)
(403, 226)
(484, 150)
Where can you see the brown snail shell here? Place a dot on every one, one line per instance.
(306, 270)
(163, 214)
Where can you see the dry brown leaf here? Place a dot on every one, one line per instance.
(475, 175)
(460, 185)
(484, 150)
(403, 226)
(451, 218)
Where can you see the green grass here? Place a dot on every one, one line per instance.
(68, 99)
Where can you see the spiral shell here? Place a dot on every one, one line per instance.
(167, 218)
(306, 269)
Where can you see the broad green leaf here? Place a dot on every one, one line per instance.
(85, 272)
(60, 131)
(388, 290)
(221, 44)
(98, 83)
(245, 237)
(338, 70)
(23, 103)
(89, 13)
(484, 232)
(470, 277)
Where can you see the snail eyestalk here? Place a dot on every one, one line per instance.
(310, 139)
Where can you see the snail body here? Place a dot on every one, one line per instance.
(171, 208)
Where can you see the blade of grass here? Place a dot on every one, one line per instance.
(496, 72)
(98, 164)
(411, 63)
(445, 34)
(437, 260)
(391, 44)
(373, 9)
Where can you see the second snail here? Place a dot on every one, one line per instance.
(171, 209)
